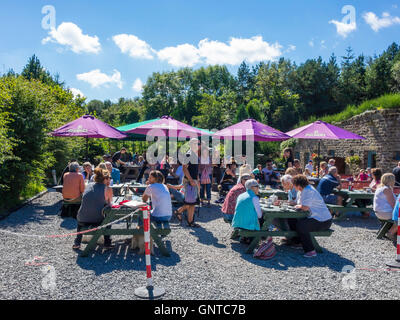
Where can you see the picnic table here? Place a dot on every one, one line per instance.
(136, 188)
(131, 172)
(275, 212)
(113, 214)
(350, 202)
(282, 195)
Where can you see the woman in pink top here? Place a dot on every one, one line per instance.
(362, 176)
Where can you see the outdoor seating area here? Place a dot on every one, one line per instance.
(144, 157)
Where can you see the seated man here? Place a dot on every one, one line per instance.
(176, 192)
(228, 208)
(114, 172)
(326, 186)
(271, 177)
(73, 183)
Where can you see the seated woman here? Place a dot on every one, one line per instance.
(87, 171)
(320, 218)
(73, 184)
(362, 176)
(287, 184)
(160, 197)
(376, 175)
(248, 211)
(228, 180)
(228, 208)
(384, 202)
(258, 175)
(324, 169)
(96, 196)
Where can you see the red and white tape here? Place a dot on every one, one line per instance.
(53, 236)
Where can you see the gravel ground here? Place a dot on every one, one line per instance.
(204, 264)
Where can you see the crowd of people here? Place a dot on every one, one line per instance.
(190, 184)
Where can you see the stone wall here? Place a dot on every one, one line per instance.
(379, 127)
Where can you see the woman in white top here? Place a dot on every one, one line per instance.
(384, 201)
(320, 219)
(160, 197)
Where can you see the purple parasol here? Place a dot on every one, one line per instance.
(89, 127)
(170, 126)
(251, 127)
(322, 130)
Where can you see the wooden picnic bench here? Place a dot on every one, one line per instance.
(274, 212)
(112, 214)
(350, 204)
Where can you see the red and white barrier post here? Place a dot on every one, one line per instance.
(396, 263)
(148, 292)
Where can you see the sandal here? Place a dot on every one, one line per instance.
(193, 225)
(178, 215)
(76, 247)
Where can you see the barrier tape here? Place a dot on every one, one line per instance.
(147, 252)
(70, 234)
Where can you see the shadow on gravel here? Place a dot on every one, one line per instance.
(31, 213)
(69, 223)
(123, 258)
(371, 223)
(206, 237)
(291, 258)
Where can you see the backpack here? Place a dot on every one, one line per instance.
(266, 250)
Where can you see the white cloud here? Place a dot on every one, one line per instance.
(237, 50)
(76, 92)
(135, 47)
(344, 29)
(137, 85)
(184, 55)
(378, 23)
(70, 35)
(291, 48)
(97, 79)
(311, 43)
(323, 46)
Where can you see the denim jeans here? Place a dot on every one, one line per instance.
(90, 225)
(205, 188)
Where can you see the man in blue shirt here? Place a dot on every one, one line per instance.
(115, 173)
(327, 184)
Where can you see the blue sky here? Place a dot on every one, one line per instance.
(106, 49)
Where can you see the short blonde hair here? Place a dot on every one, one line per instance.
(291, 171)
(388, 179)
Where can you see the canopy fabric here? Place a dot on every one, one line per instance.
(133, 126)
(170, 126)
(251, 127)
(90, 127)
(321, 130)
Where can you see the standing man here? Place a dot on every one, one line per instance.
(396, 172)
(120, 158)
(191, 182)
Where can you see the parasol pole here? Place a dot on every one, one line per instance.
(319, 151)
(87, 148)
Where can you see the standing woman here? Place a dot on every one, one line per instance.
(96, 196)
(205, 171)
(288, 155)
